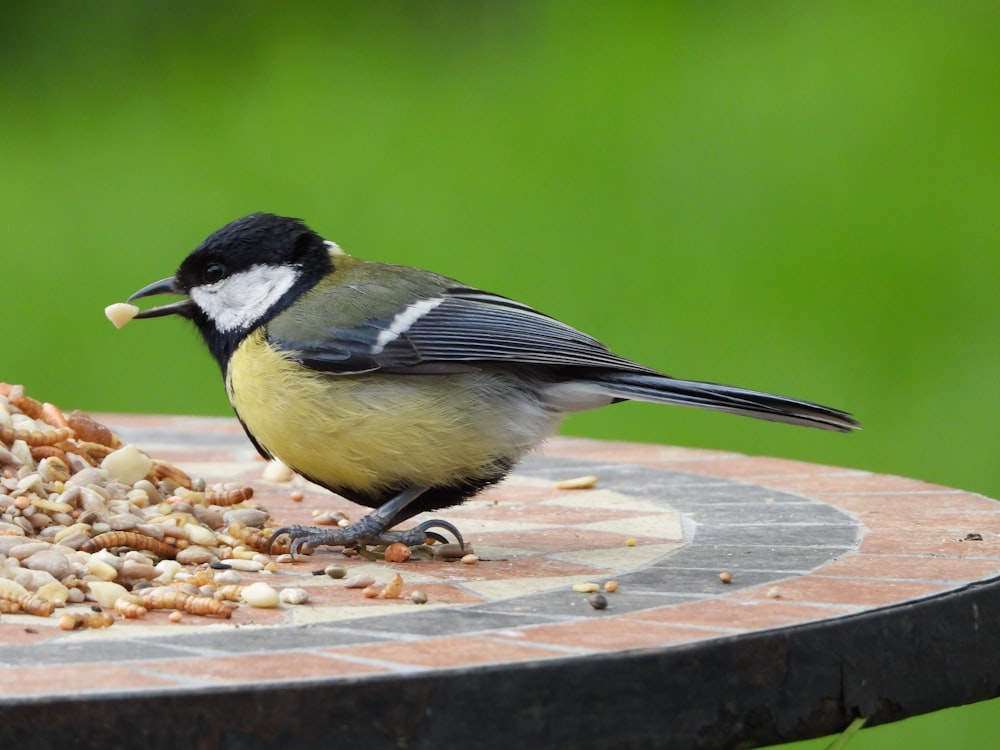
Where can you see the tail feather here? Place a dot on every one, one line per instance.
(661, 389)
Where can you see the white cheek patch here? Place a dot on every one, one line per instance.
(402, 322)
(240, 300)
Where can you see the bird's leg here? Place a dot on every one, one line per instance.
(373, 529)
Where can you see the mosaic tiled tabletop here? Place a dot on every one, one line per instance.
(849, 594)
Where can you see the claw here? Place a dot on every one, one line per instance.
(437, 523)
(367, 531)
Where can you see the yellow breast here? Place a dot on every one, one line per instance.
(375, 431)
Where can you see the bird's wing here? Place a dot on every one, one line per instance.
(457, 330)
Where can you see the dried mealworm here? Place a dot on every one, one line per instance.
(130, 607)
(228, 494)
(26, 404)
(251, 537)
(163, 470)
(38, 452)
(132, 539)
(27, 603)
(167, 598)
(77, 620)
(34, 437)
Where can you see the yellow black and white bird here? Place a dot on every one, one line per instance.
(397, 388)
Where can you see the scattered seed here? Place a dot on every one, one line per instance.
(393, 589)
(397, 552)
(774, 593)
(577, 483)
(261, 595)
(598, 601)
(358, 582)
(275, 471)
(469, 559)
(293, 596)
(586, 588)
(120, 313)
(247, 566)
(610, 587)
(370, 592)
(726, 577)
(418, 596)
(630, 542)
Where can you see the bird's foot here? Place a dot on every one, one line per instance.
(369, 531)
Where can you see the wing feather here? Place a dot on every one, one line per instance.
(468, 327)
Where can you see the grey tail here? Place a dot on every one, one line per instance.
(661, 389)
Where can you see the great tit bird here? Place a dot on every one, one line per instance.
(397, 388)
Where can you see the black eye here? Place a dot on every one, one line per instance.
(213, 272)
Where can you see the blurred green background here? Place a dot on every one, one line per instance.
(797, 197)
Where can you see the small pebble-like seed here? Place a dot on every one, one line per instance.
(133, 570)
(335, 571)
(54, 592)
(167, 570)
(123, 521)
(228, 578)
(249, 566)
(418, 596)
(247, 516)
(358, 582)
(586, 588)
(195, 555)
(598, 601)
(275, 471)
(260, 595)
(101, 570)
(175, 616)
(105, 593)
(297, 496)
(200, 535)
(397, 552)
(51, 561)
(774, 593)
(370, 592)
(323, 518)
(155, 530)
(293, 596)
(726, 577)
(127, 464)
(577, 483)
(610, 587)
(470, 559)
(70, 530)
(630, 542)
(27, 549)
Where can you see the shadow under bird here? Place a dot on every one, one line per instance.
(398, 388)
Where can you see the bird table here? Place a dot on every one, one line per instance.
(757, 601)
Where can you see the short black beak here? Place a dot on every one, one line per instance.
(164, 286)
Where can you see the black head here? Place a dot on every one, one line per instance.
(241, 276)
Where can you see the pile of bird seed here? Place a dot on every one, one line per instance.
(86, 518)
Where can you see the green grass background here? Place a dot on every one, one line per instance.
(797, 197)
